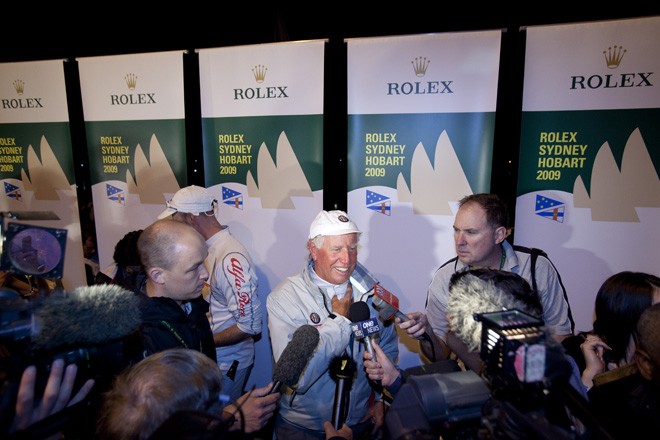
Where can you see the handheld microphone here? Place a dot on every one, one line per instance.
(294, 357)
(363, 327)
(342, 370)
(387, 305)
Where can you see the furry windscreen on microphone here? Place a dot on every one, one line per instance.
(88, 315)
(482, 291)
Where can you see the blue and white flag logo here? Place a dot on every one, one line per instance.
(378, 202)
(13, 191)
(232, 198)
(550, 209)
(115, 194)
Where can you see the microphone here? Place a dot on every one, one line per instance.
(294, 357)
(89, 315)
(363, 327)
(481, 291)
(342, 370)
(387, 305)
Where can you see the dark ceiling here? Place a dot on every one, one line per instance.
(55, 31)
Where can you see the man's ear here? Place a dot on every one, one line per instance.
(156, 274)
(500, 234)
(644, 364)
(312, 249)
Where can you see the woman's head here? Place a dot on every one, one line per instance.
(620, 302)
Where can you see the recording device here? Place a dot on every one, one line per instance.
(86, 326)
(363, 327)
(29, 249)
(294, 357)
(342, 371)
(524, 373)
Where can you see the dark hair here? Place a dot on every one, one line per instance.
(497, 212)
(620, 302)
(126, 250)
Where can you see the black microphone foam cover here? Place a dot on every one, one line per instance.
(342, 367)
(295, 355)
(358, 311)
(88, 315)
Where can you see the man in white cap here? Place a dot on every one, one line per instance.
(234, 306)
(321, 295)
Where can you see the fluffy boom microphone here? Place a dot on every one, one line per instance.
(89, 315)
(294, 357)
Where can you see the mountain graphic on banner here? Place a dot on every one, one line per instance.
(152, 178)
(549, 208)
(379, 203)
(615, 194)
(46, 175)
(434, 185)
(278, 183)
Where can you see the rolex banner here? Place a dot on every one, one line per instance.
(38, 178)
(588, 188)
(134, 118)
(262, 126)
(420, 137)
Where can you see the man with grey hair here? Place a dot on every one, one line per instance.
(322, 295)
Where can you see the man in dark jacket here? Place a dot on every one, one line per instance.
(173, 311)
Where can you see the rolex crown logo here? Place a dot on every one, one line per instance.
(19, 85)
(613, 56)
(259, 72)
(131, 81)
(420, 64)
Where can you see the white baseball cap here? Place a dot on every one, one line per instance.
(191, 199)
(332, 223)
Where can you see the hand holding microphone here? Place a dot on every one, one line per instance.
(387, 305)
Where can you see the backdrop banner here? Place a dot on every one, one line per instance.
(588, 188)
(134, 118)
(37, 169)
(420, 137)
(262, 127)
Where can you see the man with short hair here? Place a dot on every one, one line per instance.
(481, 227)
(234, 306)
(172, 255)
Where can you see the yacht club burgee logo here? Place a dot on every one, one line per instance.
(420, 67)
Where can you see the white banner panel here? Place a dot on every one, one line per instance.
(592, 66)
(132, 87)
(453, 72)
(37, 165)
(262, 125)
(588, 186)
(420, 126)
(265, 79)
(134, 120)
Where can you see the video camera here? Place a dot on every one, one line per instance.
(522, 393)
